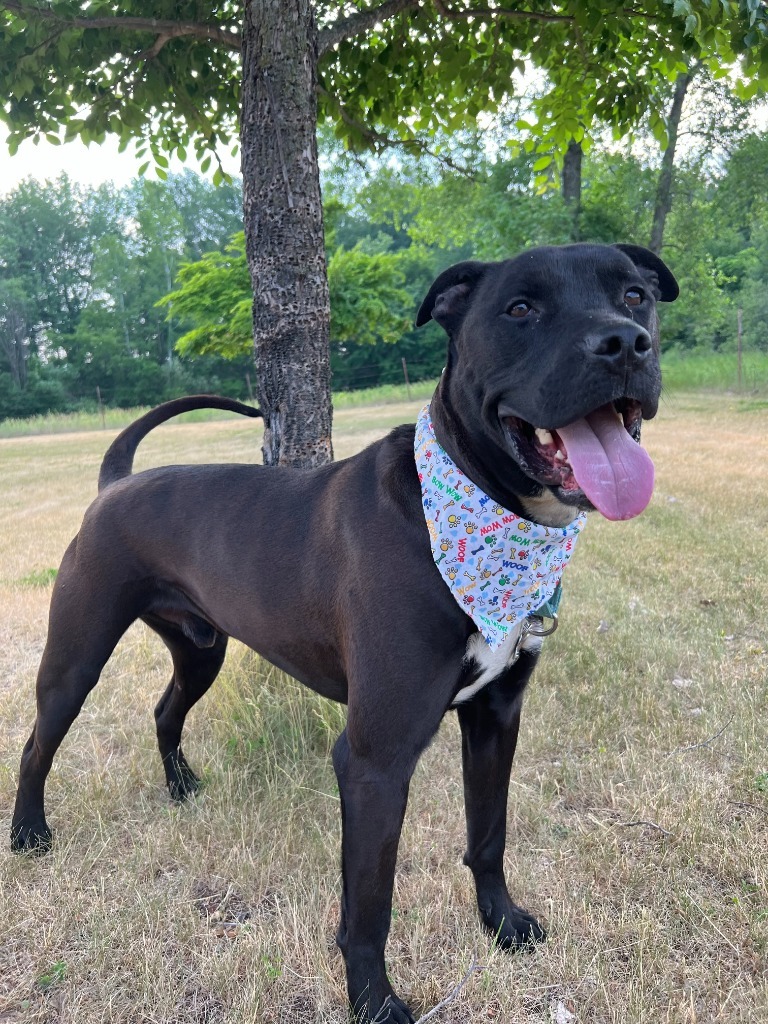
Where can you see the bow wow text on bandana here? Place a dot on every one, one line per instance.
(499, 567)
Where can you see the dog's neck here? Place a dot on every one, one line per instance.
(548, 510)
(540, 505)
(499, 565)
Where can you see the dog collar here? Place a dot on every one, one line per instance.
(499, 567)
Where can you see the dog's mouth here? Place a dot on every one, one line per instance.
(596, 460)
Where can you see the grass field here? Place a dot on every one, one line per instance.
(683, 371)
(696, 369)
(639, 807)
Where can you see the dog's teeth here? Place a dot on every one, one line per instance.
(559, 455)
(543, 436)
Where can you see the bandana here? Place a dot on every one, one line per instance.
(499, 567)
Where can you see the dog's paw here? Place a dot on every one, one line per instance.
(512, 927)
(34, 840)
(182, 781)
(391, 1011)
(376, 1003)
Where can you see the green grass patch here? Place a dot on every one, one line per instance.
(384, 395)
(55, 973)
(39, 578)
(715, 371)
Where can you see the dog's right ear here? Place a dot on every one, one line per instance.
(446, 300)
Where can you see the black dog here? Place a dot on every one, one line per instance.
(329, 573)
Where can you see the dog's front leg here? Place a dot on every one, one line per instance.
(373, 801)
(489, 728)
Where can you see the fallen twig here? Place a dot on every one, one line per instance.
(752, 807)
(473, 969)
(642, 821)
(704, 743)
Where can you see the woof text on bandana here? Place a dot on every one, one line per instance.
(499, 567)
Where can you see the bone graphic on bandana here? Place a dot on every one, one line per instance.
(532, 556)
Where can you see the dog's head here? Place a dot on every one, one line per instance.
(553, 360)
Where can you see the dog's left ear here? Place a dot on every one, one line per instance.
(663, 279)
(446, 300)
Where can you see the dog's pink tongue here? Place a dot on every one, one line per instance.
(614, 472)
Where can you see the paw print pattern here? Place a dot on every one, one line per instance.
(526, 559)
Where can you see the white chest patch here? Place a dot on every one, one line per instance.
(492, 663)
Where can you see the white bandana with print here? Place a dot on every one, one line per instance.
(499, 567)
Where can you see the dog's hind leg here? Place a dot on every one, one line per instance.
(195, 668)
(83, 629)
(489, 728)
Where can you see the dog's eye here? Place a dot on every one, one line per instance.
(633, 297)
(519, 309)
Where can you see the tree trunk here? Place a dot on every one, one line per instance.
(284, 231)
(13, 343)
(572, 186)
(663, 202)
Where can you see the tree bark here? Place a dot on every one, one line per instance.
(13, 343)
(572, 186)
(663, 202)
(284, 231)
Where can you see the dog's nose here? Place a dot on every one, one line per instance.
(620, 344)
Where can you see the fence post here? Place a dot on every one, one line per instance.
(407, 382)
(101, 407)
(738, 343)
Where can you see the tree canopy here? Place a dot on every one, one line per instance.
(397, 70)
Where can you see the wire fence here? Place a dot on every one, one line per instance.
(371, 375)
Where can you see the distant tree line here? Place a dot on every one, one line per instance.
(143, 292)
(81, 271)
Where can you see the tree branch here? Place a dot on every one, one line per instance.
(380, 141)
(361, 22)
(155, 48)
(160, 27)
(499, 12)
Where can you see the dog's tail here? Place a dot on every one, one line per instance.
(118, 461)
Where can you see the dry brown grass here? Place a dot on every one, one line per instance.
(225, 910)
